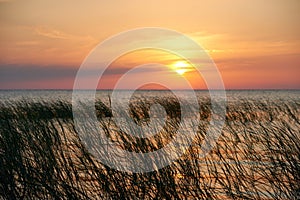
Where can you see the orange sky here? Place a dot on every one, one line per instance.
(255, 44)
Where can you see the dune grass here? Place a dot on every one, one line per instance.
(257, 156)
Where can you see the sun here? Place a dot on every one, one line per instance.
(180, 67)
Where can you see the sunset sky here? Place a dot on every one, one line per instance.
(255, 44)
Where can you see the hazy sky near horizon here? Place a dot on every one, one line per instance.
(255, 44)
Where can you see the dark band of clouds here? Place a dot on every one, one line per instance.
(23, 73)
(13, 74)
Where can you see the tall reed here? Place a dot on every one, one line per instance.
(256, 157)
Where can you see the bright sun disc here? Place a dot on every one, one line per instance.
(180, 67)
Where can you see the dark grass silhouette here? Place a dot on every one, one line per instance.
(257, 156)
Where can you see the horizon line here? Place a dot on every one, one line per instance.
(61, 89)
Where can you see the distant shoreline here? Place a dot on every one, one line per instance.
(205, 90)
